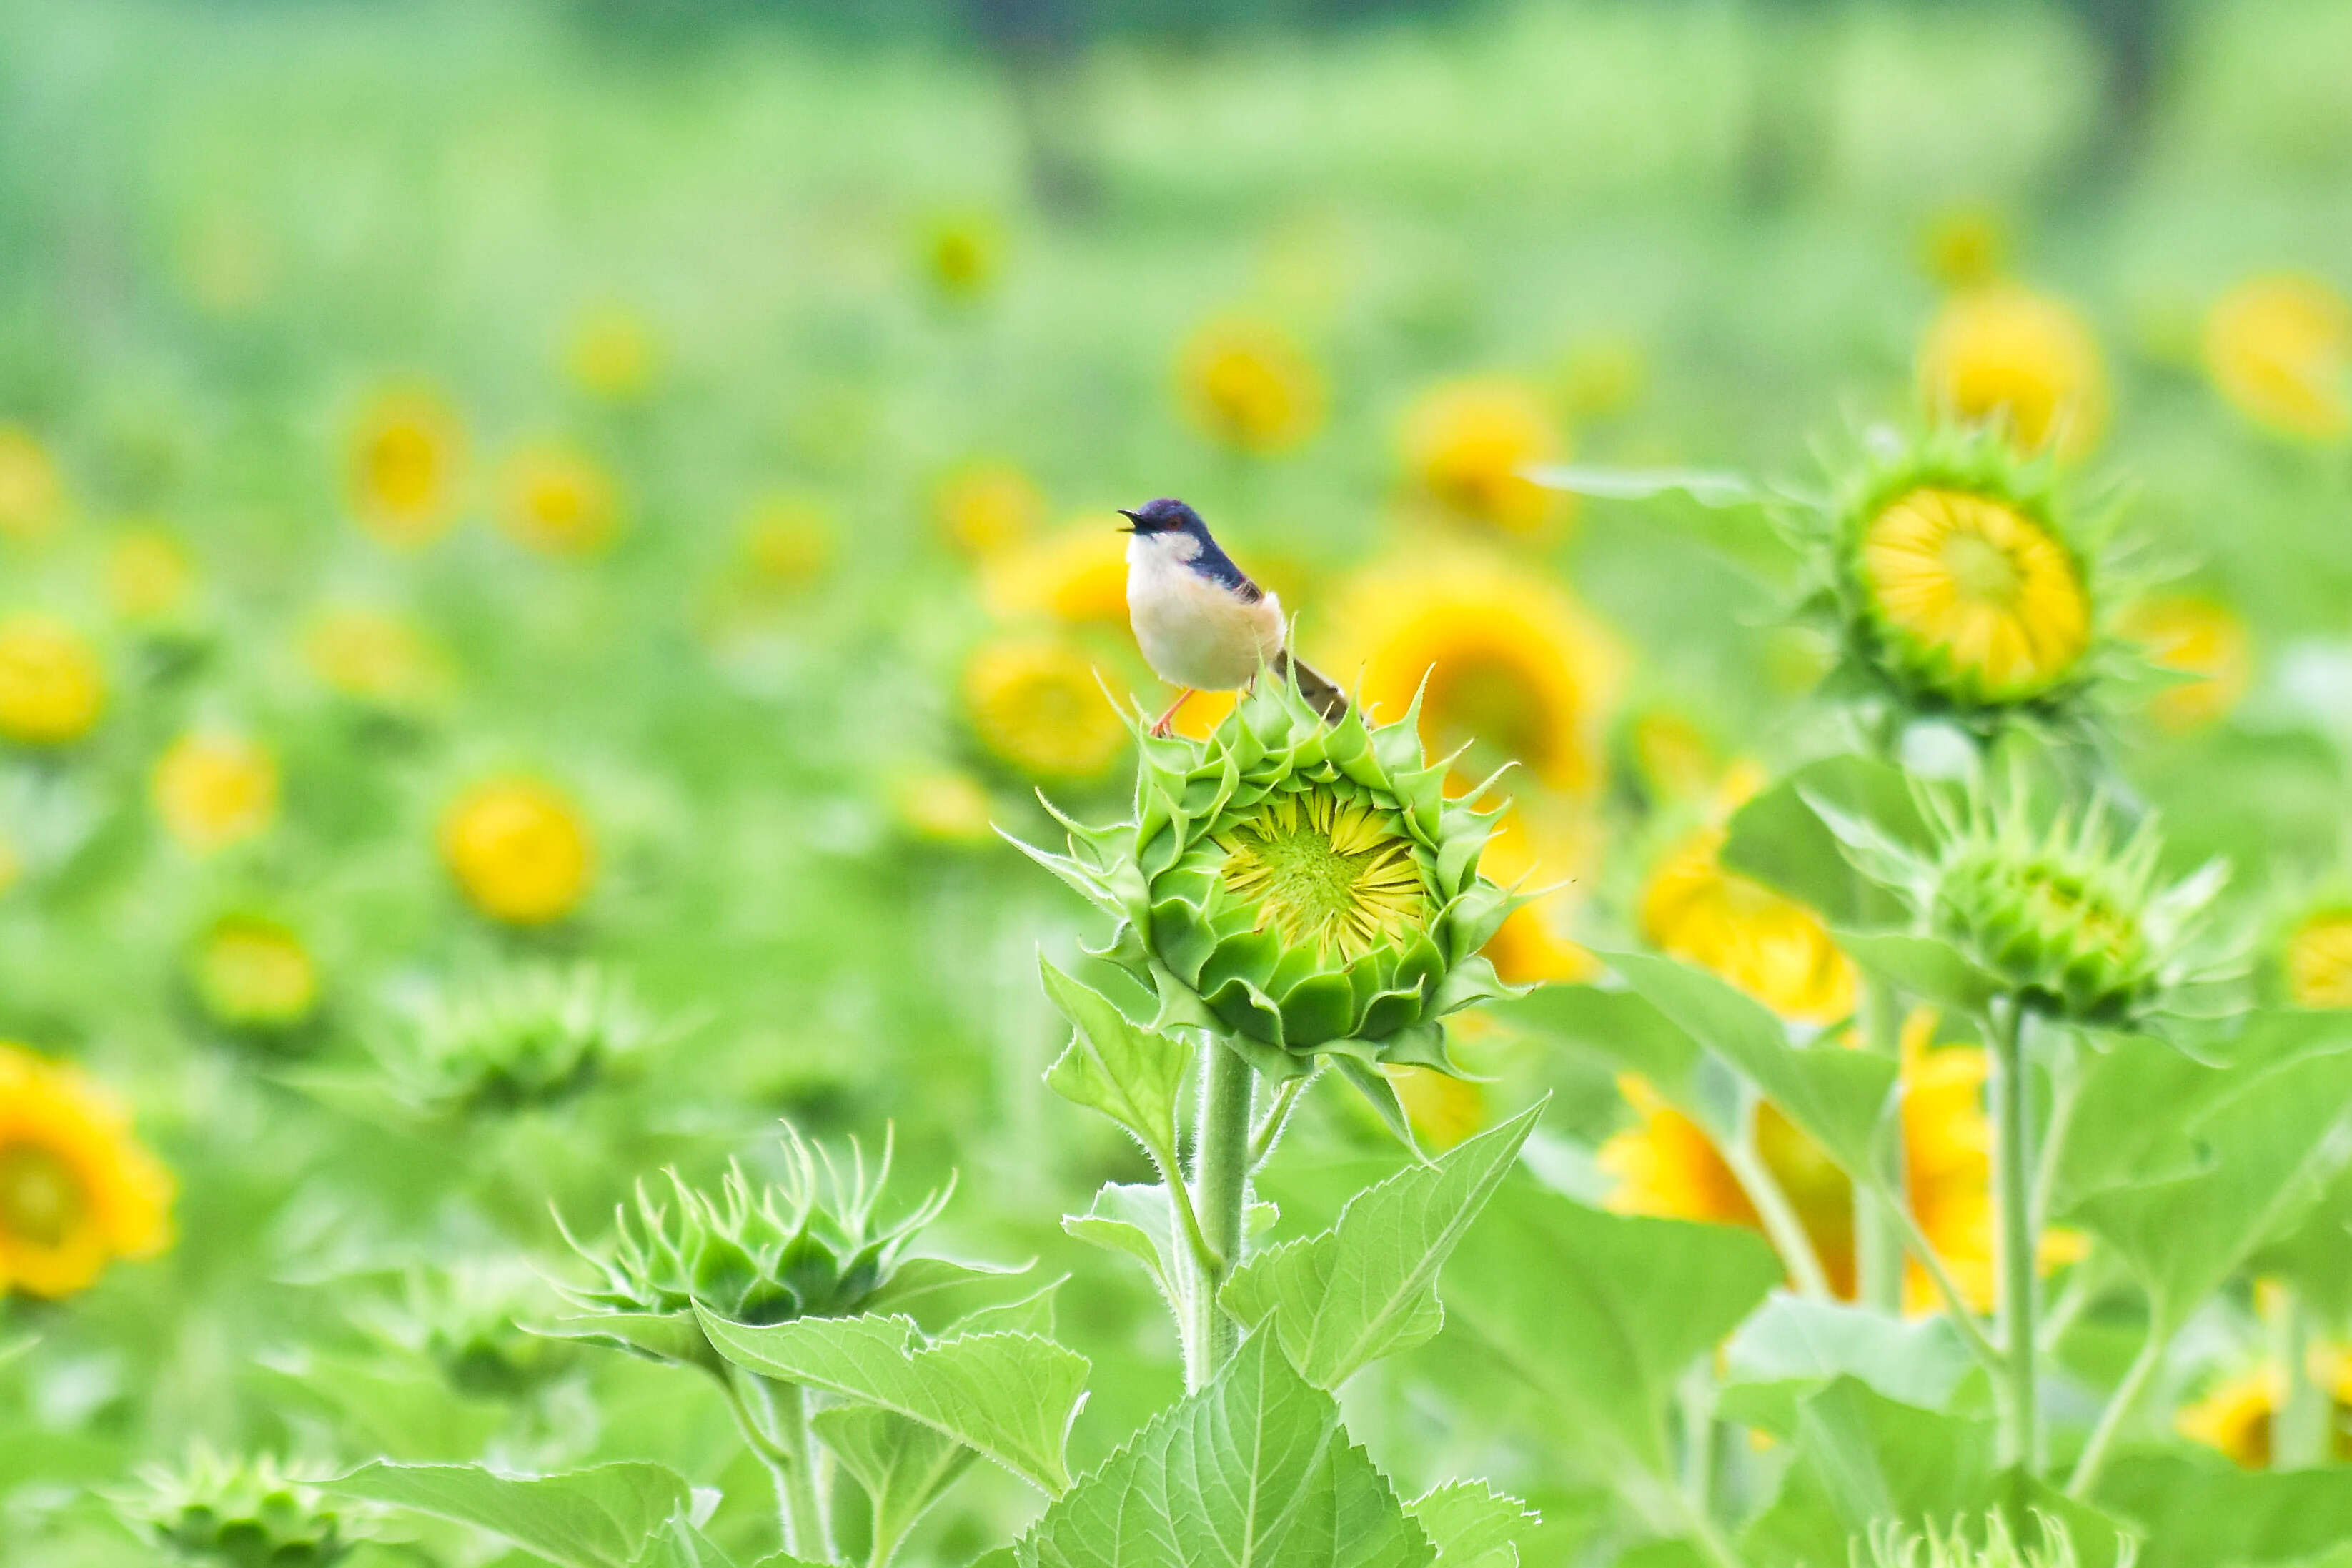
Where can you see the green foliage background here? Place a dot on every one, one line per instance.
(437, 190)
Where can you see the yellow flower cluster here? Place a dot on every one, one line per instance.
(214, 788)
(1249, 386)
(77, 1191)
(1467, 443)
(2004, 353)
(406, 461)
(2280, 349)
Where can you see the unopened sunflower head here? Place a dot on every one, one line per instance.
(1989, 1542)
(1957, 583)
(2059, 911)
(238, 1512)
(810, 1245)
(1298, 886)
(520, 1039)
(467, 1319)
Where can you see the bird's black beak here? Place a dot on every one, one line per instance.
(1131, 520)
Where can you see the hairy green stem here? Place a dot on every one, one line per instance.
(2020, 1425)
(2299, 1431)
(1781, 1226)
(779, 1433)
(2111, 1420)
(1877, 1230)
(1220, 1167)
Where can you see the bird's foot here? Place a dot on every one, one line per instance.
(1166, 724)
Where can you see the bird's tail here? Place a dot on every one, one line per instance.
(1321, 695)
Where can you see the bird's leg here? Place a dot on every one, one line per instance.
(1159, 729)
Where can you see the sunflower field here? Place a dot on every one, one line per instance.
(602, 963)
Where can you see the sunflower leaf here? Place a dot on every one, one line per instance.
(601, 1517)
(1013, 1396)
(1600, 1315)
(1837, 1097)
(1472, 1525)
(1366, 1288)
(1252, 1471)
(1126, 1072)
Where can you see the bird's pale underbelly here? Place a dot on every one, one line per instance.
(1196, 633)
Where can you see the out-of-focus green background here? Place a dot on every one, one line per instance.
(780, 278)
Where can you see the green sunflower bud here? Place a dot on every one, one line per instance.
(808, 1245)
(2055, 913)
(520, 1040)
(1298, 886)
(240, 1512)
(467, 1320)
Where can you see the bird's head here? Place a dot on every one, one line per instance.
(1166, 515)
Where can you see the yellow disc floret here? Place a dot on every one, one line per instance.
(1980, 599)
(518, 851)
(1333, 875)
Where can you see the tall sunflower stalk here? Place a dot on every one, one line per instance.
(2044, 925)
(1289, 894)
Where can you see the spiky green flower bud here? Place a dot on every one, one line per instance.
(2051, 910)
(520, 1039)
(809, 1246)
(238, 1512)
(1298, 886)
(467, 1320)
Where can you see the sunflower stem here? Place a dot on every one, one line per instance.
(2020, 1423)
(2299, 1431)
(1786, 1231)
(1220, 1167)
(1278, 1116)
(777, 1431)
(1955, 1305)
(2111, 1420)
(1877, 1229)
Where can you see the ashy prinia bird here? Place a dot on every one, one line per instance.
(1203, 625)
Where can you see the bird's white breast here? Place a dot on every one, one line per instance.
(1195, 632)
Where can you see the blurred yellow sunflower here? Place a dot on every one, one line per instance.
(2001, 353)
(1513, 670)
(519, 850)
(1466, 443)
(787, 544)
(77, 1191)
(2280, 349)
(1976, 589)
(559, 502)
(611, 352)
(214, 788)
(942, 805)
(963, 254)
(148, 576)
(32, 499)
(1771, 947)
(2236, 1414)
(1077, 576)
(2197, 638)
(2319, 959)
(1034, 703)
(374, 657)
(405, 461)
(1964, 245)
(251, 973)
(52, 688)
(1667, 1165)
(985, 508)
(1249, 385)
(1535, 846)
